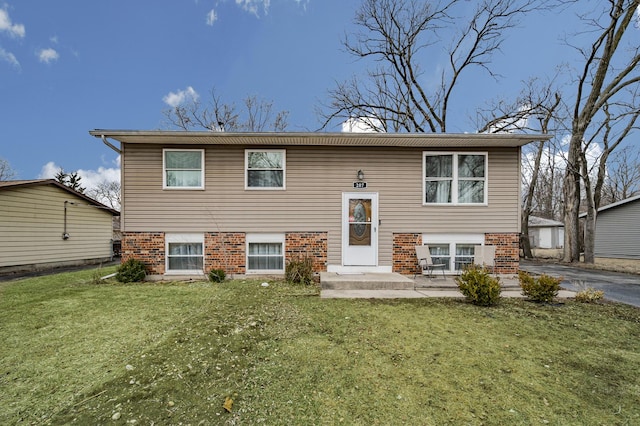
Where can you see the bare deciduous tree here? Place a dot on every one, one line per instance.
(107, 192)
(6, 171)
(256, 115)
(538, 108)
(623, 175)
(609, 72)
(400, 36)
(593, 190)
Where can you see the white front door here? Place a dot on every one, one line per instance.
(360, 229)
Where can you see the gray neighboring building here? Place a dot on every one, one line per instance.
(618, 230)
(546, 233)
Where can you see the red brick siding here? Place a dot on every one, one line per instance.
(147, 247)
(311, 244)
(404, 252)
(226, 251)
(507, 259)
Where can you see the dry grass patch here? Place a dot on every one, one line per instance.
(82, 353)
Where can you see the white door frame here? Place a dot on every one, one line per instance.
(359, 258)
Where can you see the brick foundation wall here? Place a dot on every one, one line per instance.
(404, 252)
(311, 244)
(147, 247)
(507, 259)
(225, 250)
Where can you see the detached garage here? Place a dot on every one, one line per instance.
(45, 225)
(546, 233)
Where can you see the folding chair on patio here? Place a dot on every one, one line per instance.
(485, 256)
(425, 264)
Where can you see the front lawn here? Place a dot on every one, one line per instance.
(78, 352)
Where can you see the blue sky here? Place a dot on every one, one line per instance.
(67, 67)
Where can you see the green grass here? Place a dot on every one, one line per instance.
(77, 352)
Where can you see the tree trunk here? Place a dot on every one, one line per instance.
(571, 192)
(525, 242)
(589, 236)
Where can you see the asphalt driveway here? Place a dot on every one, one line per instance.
(617, 286)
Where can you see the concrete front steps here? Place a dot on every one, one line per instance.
(365, 281)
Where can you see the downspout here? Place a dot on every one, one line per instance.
(119, 151)
(65, 235)
(110, 145)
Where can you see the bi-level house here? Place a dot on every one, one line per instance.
(354, 202)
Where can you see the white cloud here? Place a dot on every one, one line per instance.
(253, 6)
(89, 178)
(14, 30)
(9, 57)
(49, 171)
(47, 55)
(362, 125)
(211, 17)
(181, 96)
(303, 3)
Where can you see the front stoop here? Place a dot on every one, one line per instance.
(365, 281)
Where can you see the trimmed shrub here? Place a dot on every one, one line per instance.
(541, 289)
(217, 275)
(131, 271)
(589, 295)
(478, 286)
(299, 271)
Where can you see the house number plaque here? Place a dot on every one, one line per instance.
(359, 185)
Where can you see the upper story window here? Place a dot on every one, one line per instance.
(455, 178)
(265, 169)
(183, 168)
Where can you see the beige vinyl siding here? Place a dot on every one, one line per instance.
(32, 223)
(316, 177)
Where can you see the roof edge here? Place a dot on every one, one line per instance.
(616, 204)
(41, 182)
(110, 133)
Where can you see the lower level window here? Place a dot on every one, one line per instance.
(265, 253)
(455, 251)
(185, 252)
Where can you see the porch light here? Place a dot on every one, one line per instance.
(360, 175)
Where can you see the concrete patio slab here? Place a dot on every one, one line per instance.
(396, 286)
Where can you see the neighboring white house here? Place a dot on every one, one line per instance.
(546, 233)
(44, 225)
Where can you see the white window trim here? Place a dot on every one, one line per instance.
(265, 188)
(164, 170)
(182, 238)
(265, 238)
(452, 240)
(455, 180)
